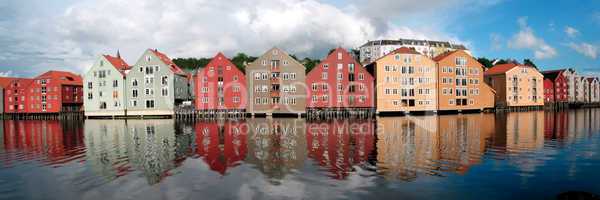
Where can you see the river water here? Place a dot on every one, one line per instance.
(521, 155)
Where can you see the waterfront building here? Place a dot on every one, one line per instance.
(580, 83)
(571, 75)
(157, 85)
(556, 86)
(594, 89)
(586, 89)
(406, 81)
(373, 50)
(338, 82)
(460, 83)
(516, 85)
(105, 87)
(15, 97)
(220, 86)
(276, 84)
(4, 84)
(55, 92)
(51, 92)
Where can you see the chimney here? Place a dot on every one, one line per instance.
(118, 54)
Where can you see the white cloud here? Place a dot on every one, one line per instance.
(571, 32)
(8, 73)
(73, 35)
(526, 39)
(585, 49)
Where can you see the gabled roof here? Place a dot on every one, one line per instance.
(5, 81)
(552, 74)
(24, 81)
(165, 59)
(64, 78)
(118, 63)
(500, 69)
(214, 60)
(444, 55)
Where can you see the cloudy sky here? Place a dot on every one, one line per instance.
(37, 35)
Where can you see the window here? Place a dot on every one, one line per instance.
(115, 83)
(351, 67)
(102, 106)
(90, 95)
(324, 76)
(339, 76)
(361, 76)
(339, 55)
(325, 66)
(164, 91)
(149, 91)
(461, 61)
(134, 93)
(149, 103)
(149, 70)
(134, 82)
(164, 80)
(89, 85)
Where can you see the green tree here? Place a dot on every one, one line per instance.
(487, 63)
(240, 59)
(528, 62)
(191, 64)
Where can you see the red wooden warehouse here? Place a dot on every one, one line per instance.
(555, 86)
(220, 86)
(51, 92)
(15, 95)
(339, 82)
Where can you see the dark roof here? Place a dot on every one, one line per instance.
(552, 74)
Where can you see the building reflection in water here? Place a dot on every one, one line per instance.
(339, 145)
(276, 147)
(396, 147)
(408, 146)
(51, 141)
(222, 144)
(117, 147)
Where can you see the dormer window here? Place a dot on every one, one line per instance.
(148, 58)
(101, 63)
(339, 55)
(275, 52)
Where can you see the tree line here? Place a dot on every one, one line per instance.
(192, 64)
(489, 63)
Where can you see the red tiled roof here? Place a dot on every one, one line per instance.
(500, 69)
(65, 78)
(118, 63)
(444, 55)
(172, 66)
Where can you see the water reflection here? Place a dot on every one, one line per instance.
(51, 142)
(339, 145)
(221, 144)
(276, 147)
(287, 151)
(152, 147)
